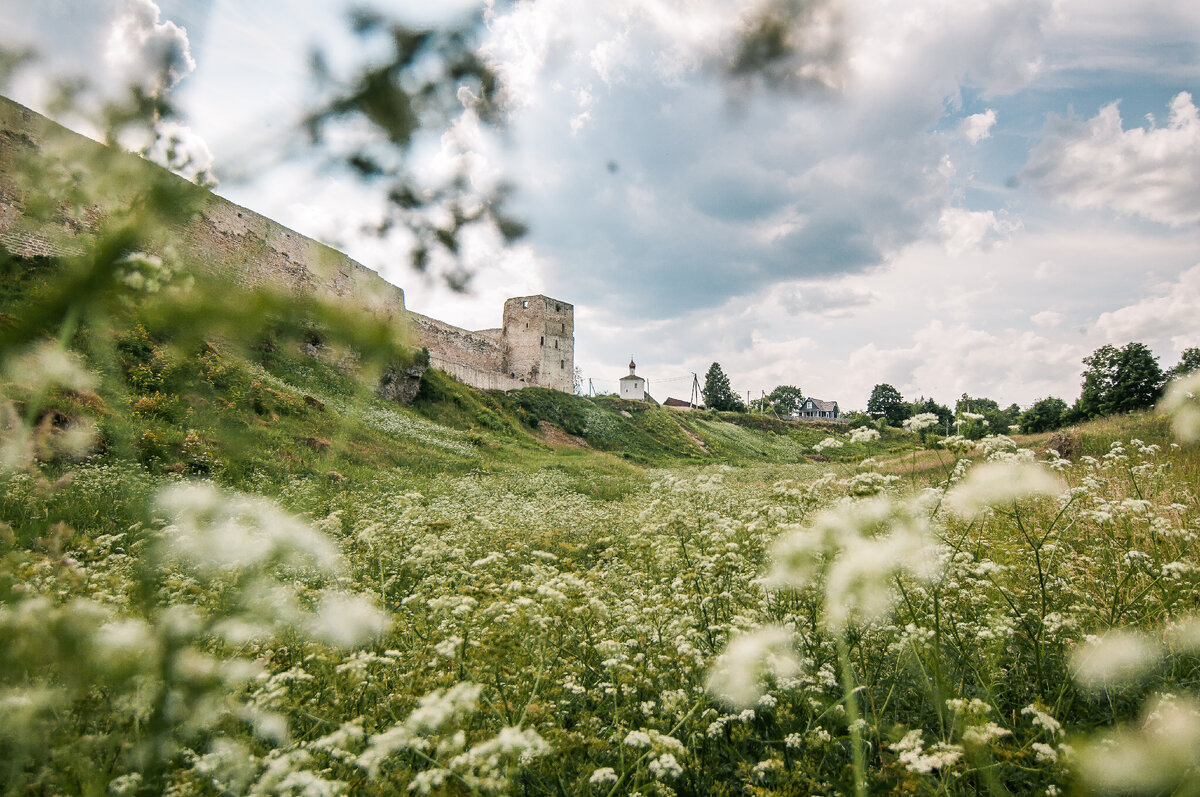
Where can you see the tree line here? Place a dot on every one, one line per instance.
(1115, 380)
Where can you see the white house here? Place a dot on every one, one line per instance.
(633, 386)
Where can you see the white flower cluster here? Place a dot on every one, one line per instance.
(1001, 482)
(33, 372)
(828, 443)
(1181, 402)
(765, 653)
(920, 421)
(916, 758)
(864, 434)
(219, 537)
(854, 551)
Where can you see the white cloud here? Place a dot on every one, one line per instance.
(978, 126)
(823, 300)
(179, 148)
(966, 230)
(142, 50)
(116, 46)
(1153, 172)
(1047, 319)
(802, 186)
(947, 360)
(1170, 314)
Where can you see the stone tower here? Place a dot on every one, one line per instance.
(539, 333)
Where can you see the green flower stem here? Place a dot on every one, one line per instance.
(851, 703)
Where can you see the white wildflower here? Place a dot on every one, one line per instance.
(738, 674)
(859, 582)
(47, 364)
(864, 434)
(921, 421)
(979, 735)
(603, 776)
(519, 744)
(1181, 402)
(957, 444)
(448, 647)
(346, 620)
(637, 739)
(763, 769)
(1117, 658)
(433, 712)
(439, 707)
(916, 759)
(212, 531)
(1155, 756)
(665, 767)
(1045, 753)
(1043, 720)
(1001, 482)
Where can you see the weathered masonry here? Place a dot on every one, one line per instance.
(535, 345)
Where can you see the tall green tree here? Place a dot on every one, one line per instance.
(976, 404)
(1189, 361)
(1119, 380)
(785, 399)
(718, 395)
(1045, 415)
(886, 402)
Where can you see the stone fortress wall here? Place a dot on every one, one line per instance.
(535, 345)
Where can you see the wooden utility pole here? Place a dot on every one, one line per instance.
(695, 399)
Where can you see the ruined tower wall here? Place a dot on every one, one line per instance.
(541, 337)
(221, 237)
(535, 345)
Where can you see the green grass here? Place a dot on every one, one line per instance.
(588, 591)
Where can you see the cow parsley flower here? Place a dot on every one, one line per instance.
(957, 444)
(665, 767)
(916, 758)
(1043, 720)
(637, 739)
(1000, 482)
(921, 421)
(738, 673)
(1182, 403)
(1045, 753)
(859, 547)
(214, 531)
(48, 364)
(864, 434)
(346, 620)
(1155, 756)
(1117, 658)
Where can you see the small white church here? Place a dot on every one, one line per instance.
(633, 387)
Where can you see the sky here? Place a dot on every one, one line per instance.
(949, 197)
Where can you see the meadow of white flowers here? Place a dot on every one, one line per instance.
(1020, 623)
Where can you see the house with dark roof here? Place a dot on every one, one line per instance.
(680, 404)
(812, 409)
